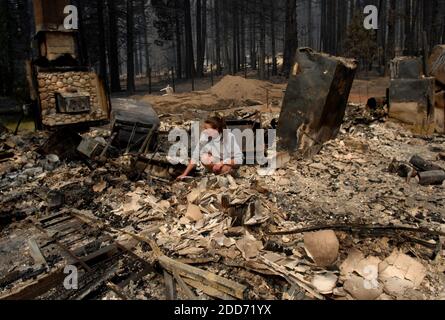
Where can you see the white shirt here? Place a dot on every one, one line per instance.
(222, 151)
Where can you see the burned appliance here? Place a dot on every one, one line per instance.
(66, 92)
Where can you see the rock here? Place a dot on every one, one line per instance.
(325, 284)
(323, 247)
(397, 287)
(194, 213)
(361, 289)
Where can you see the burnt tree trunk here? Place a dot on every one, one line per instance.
(217, 37)
(131, 86)
(273, 38)
(199, 47)
(101, 41)
(291, 36)
(113, 53)
(178, 37)
(190, 70)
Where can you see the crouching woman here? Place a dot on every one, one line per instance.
(218, 150)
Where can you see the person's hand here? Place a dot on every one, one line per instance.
(181, 177)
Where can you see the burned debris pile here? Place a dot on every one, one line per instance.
(332, 221)
(224, 237)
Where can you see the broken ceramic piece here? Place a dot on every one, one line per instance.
(323, 247)
(326, 283)
(362, 289)
(400, 272)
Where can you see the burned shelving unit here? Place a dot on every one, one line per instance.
(66, 92)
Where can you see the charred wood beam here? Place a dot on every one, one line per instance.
(358, 227)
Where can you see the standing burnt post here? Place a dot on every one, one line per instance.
(315, 101)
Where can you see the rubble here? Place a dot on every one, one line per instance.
(213, 237)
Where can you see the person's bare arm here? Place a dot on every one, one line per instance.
(187, 171)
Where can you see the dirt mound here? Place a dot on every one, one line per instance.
(240, 89)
